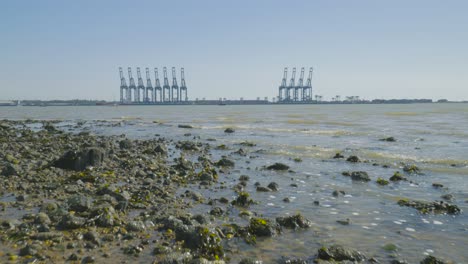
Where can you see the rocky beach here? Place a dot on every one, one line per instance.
(72, 192)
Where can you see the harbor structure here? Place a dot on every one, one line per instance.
(293, 92)
(138, 93)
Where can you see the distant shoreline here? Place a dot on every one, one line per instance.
(39, 103)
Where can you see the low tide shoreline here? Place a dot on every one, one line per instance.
(82, 198)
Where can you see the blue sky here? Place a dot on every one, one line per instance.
(373, 49)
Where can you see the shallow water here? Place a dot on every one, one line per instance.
(432, 136)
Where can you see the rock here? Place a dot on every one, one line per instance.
(343, 222)
(185, 126)
(338, 155)
(397, 177)
(411, 169)
(431, 207)
(105, 216)
(79, 203)
(88, 259)
(263, 227)
(388, 139)
(243, 199)
(229, 130)
(360, 176)
(93, 237)
(42, 218)
(217, 211)
(29, 250)
(160, 149)
(278, 166)
(294, 222)
(287, 260)
(200, 238)
(247, 144)
(353, 159)
(263, 189)
(447, 197)
(79, 160)
(136, 226)
(43, 236)
(432, 260)
(437, 185)
(73, 257)
(125, 144)
(273, 186)
(240, 152)
(286, 200)
(9, 170)
(71, 222)
(339, 253)
(224, 162)
(381, 181)
(188, 145)
(244, 178)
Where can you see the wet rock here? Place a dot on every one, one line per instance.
(432, 260)
(397, 176)
(263, 227)
(176, 258)
(273, 186)
(79, 203)
(71, 222)
(243, 199)
(411, 169)
(9, 170)
(294, 222)
(286, 200)
(247, 144)
(125, 144)
(388, 139)
(49, 127)
(43, 236)
(217, 211)
(185, 126)
(88, 259)
(105, 216)
(79, 160)
(136, 226)
(343, 222)
(278, 167)
(21, 198)
(437, 185)
(263, 189)
(338, 155)
(339, 253)
(73, 257)
(359, 176)
(133, 250)
(93, 237)
(224, 162)
(160, 149)
(288, 260)
(353, 159)
(448, 197)
(42, 218)
(200, 238)
(431, 207)
(241, 152)
(229, 130)
(381, 181)
(188, 145)
(30, 250)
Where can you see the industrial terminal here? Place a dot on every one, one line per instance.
(141, 94)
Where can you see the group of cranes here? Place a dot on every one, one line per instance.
(293, 92)
(148, 94)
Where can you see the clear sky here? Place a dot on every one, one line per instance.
(373, 49)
